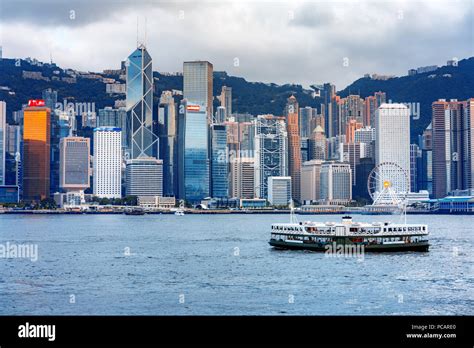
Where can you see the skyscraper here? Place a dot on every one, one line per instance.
(144, 143)
(317, 148)
(36, 153)
(107, 164)
(198, 85)
(219, 165)
(221, 114)
(310, 180)
(74, 172)
(371, 104)
(447, 119)
(242, 177)
(271, 147)
(226, 100)
(144, 177)
(196, 153)
(3, 128)
(307, 114)
(366, 135)
(352, 153)
(279, 190)
(294, 146)
(334, 127)
(13, 143)
(351, 126)
(328, 93)
(392, 139)
(415, 156)
(336, 182)
(116, 118)
(468, 145)
(167, 133)
(60, 128)
(425, 170)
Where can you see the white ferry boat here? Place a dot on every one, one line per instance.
(179, 212)
(374, 236)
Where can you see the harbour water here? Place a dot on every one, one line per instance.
(223, 265)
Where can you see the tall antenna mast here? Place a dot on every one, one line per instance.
(137, 31)
(145, 43)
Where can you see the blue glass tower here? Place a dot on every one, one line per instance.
(144, 143)
(196, 153)
(219, 166)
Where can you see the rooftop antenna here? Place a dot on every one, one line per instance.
(145, 33)
(137, 31)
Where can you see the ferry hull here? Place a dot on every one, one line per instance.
(419, 246)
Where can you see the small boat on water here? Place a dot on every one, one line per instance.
(374, 236)
(134, 211)
(180, 210)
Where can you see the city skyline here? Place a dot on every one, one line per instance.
(337, 54)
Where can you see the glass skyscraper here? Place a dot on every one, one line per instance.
(60, 128)
(219, 167)
(144, 143)
(167, 133)
(110, 117)
(198, 85)
(196, 153)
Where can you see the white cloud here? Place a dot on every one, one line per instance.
(278, 41)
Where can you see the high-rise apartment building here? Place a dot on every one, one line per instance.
(351, 127)
(371, 104)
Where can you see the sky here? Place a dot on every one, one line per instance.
(301, 42)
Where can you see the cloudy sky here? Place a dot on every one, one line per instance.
(302, 42)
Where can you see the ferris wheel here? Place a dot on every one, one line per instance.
(388, 184)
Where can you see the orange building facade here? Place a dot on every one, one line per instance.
(294, 147)
(36, 153)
